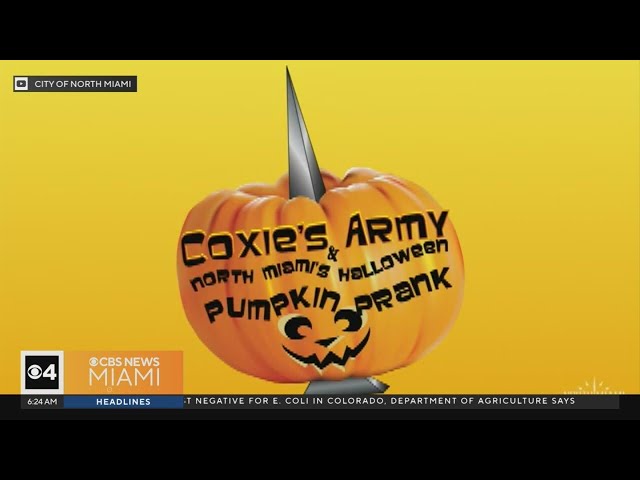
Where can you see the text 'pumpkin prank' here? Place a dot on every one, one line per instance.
(317, 277)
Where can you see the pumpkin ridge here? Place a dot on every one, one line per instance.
(257, 204)
(286, 283)
(284, 280)
(225, 265)
(257, 358)
(336, 285)
(375, 281)
(374, 183)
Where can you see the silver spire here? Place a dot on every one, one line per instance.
(304, 174)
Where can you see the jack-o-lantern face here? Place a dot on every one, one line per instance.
(348, 337)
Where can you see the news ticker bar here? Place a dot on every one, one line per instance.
(275, 402)
(75, 83)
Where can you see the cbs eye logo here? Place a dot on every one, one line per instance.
(20, 84)
(42, 372)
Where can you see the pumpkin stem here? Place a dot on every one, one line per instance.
(304, 174)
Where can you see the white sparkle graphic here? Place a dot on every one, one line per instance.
(594, 387)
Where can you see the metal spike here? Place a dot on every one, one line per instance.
(304, 174)
(305, 180)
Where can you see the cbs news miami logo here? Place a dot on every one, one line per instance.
(102, 372)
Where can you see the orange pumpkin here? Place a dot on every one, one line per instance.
(384, 320)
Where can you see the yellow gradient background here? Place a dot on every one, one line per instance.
(538, 163)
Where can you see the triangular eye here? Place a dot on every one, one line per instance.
(290, 325)
(353, 318)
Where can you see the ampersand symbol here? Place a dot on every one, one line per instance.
(333, 253)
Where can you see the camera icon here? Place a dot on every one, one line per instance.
(20, 83)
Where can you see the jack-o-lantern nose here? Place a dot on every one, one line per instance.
(325, 342)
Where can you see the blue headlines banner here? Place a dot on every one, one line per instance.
(123, 401)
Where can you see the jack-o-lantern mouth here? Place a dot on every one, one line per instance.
(331, 358)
